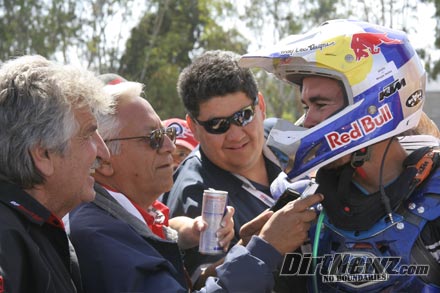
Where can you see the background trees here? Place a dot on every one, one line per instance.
(30, 27)
(163, 41)
(151, 41)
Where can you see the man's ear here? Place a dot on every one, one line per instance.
(262, 104)
(191, 126)
(43, 160)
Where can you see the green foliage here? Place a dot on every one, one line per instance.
(281, 98)
(320, 11)
(161, 44)
(36, 27)
(158, 49)
(281, 15)
(99, 41)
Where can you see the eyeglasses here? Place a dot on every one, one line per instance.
(156, 137)
(239, 118)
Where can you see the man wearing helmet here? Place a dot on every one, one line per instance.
(362, 85)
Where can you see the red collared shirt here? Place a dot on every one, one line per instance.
(156, 216)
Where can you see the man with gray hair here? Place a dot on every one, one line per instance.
(48, 145)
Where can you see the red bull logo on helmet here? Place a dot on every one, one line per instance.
(360, 128)
(364, 44)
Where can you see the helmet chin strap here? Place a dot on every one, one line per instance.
(358, 158)
(383, 196)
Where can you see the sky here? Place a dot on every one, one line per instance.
(425, 38)
(426, 25)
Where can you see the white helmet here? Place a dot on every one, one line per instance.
(383, 78)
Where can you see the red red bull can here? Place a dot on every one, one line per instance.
(213, 209)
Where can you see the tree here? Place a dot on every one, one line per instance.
(37, 27)
(161, 45)
(99, 43)
(259, 15)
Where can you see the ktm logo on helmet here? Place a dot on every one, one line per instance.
(391, 89)
(364, 44)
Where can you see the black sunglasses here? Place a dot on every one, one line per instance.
(239, 118)
(156, 137)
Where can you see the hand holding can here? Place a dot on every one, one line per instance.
(213, 209)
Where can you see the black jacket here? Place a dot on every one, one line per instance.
(197, 173)
(35, 253)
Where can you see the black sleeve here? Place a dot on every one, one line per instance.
(431, 238)
(13, 267)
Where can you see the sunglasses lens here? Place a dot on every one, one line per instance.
(221, 125)
(156, 139)
(171, 132)
(217, 126)
(243, 117)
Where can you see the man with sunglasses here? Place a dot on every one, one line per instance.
(116, 250)
(125, 234)
(226, 114)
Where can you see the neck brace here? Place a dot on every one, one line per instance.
(350, 209)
